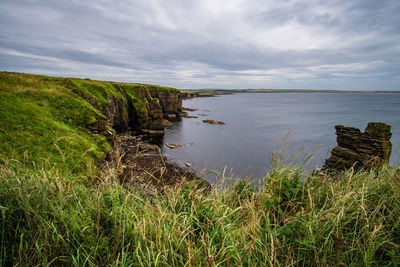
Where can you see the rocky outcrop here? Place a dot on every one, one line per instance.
(155, 116)
(142, 166)
(357, 149)
(170, 99)
(136, 106)
(117, 112)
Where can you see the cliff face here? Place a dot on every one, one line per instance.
(170, 100)
(371, 148)
(135, 106)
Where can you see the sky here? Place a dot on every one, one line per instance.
(278, 44)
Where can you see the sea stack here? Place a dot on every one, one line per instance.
(357, 149)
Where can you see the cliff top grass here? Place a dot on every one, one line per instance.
(44, 118)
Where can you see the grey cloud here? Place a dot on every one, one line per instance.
(62, 53)
(184, 44)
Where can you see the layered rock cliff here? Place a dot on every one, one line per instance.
(170, 100)
(357, 149)
(131, 106)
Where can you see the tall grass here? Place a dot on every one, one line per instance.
(50, 218)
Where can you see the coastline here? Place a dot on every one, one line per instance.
(187, 94)
(59, 206)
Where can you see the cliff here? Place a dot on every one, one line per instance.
(170, 99)
(368, 149)
(41, 116)
(136, 106)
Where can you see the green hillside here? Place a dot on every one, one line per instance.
(46, 119)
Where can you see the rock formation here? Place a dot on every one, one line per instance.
(136, 106)
(369, 149)
(170, 100)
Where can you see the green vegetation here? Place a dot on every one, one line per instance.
(57, 208)
(43, 121)
(48, 218)
(45, 118)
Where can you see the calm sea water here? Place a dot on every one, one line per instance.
(254, 121)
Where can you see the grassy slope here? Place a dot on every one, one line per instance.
(52, 218)
(45, 118)
(54, 211)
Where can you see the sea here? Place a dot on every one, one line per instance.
(265, 129)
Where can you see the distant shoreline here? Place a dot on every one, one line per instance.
(189, 93)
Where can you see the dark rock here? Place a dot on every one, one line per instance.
(170, 116)
(152, 174)
(183, 114)
(213, 122)
(155, 121)
(99, 126)
(170, 101)
(172, 146)
(166, 123)
(189, 109)
(360, 150)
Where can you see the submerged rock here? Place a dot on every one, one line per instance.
(172, 146)
(189, 109)
(183, 114)
(214, 122)
(369, 149)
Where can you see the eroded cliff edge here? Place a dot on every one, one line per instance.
(135, 106)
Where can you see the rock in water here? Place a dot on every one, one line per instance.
(170, 116)
(369, 149)
(183, 114)
(214, 122)
(189, 109)
(166, 123)
(172, 146)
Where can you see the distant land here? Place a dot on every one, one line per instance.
(190, 93)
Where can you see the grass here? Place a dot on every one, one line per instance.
(46, 128)
(48, 218)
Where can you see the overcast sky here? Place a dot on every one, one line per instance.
(316, 44)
